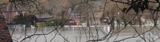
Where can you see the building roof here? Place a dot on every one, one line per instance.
(44, 16)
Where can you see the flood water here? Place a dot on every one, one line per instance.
(72, 35)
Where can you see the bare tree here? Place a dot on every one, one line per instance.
(128, 11)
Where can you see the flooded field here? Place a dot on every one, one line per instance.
(50, 34)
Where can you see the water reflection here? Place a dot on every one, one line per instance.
(73, 34)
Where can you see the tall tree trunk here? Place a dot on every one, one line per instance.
(4, 32)
(88, 18)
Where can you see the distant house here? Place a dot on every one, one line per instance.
(38, 20)
(43, 17)
(10, 11)
(72, 22)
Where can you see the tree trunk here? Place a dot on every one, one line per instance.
(4, 32)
